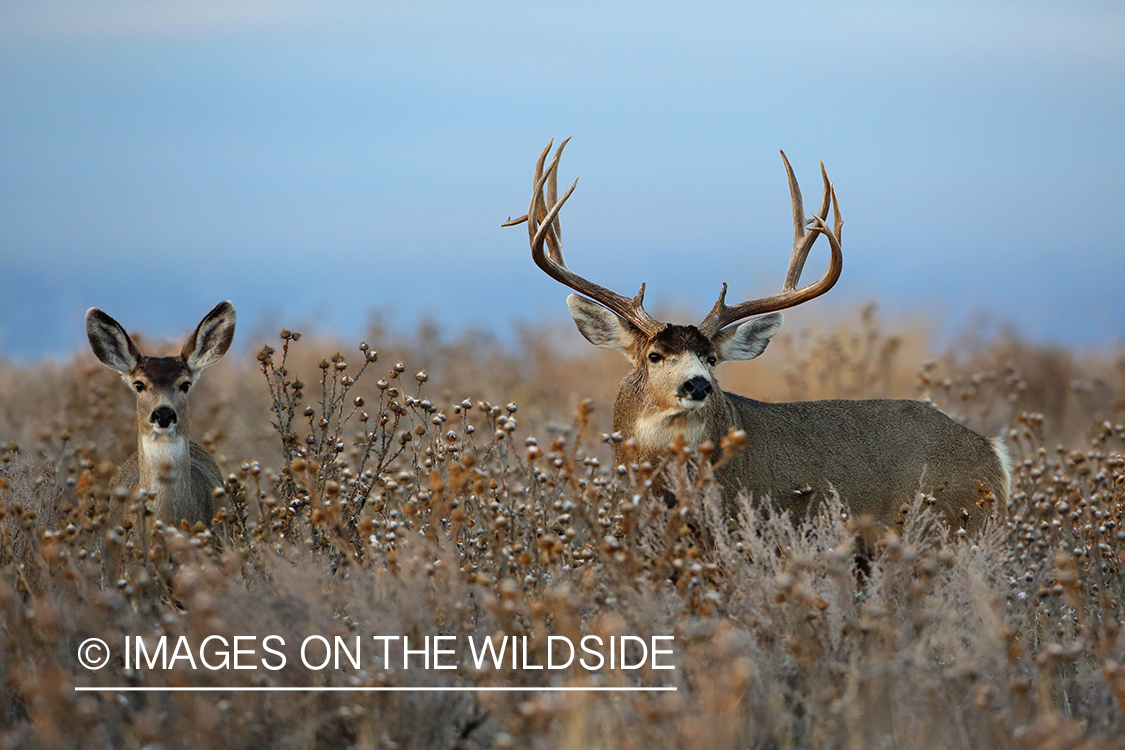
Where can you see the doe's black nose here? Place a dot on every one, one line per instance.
(698, 388)
(164, 416)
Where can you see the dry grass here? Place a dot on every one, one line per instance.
(374, 501)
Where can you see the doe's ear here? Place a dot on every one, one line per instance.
(211, 338)
(601, 327)
(747, 340)
(110, 343)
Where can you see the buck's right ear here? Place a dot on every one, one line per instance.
(747, 340)
(601, 327)
(110, 342)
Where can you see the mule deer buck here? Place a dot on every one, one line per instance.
(178, 474)
(876, 454)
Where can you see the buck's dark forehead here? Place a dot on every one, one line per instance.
(674, 339)
(162, 369)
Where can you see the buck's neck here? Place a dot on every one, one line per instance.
(652, 429)
(164, 465)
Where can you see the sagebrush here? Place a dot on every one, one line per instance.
(464, 487)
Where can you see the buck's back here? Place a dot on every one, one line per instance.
(877, 454)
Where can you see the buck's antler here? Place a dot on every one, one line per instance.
(721, 315)
(543, 227)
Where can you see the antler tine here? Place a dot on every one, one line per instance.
(802, 241)
(535, 183)
(544, 228)
(721, 315)
(549, 179)
(554, 240)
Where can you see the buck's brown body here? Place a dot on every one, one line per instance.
(798, 452)
(876, 454)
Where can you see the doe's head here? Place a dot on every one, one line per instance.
(162, 384)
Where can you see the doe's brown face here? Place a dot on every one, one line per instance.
(675, 368)
(162, 384)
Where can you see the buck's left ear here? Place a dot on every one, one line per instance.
(747, 340)
(601, 327)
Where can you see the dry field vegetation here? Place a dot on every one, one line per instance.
(463, 487)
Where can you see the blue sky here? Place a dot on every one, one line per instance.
(315, 162)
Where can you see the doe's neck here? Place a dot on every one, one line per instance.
(164, 464)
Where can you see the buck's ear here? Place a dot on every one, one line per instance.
(211, 338)
(110, 342)
(747, 340)
(601, 327)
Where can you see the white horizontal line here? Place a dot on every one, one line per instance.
(384, 689)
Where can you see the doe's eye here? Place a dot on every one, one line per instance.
(138, 386)
(712, 360)
(185, 386)
(654, 357)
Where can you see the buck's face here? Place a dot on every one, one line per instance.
(676, 369)
(673, 370)
(673, 366)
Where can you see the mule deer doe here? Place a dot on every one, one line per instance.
(876, 454)
(178, 474)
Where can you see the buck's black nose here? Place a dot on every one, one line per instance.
(164, 417)
(698, 388)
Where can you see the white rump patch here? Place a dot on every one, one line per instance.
(1005, 458)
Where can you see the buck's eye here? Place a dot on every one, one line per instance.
(654, 357)
(185, 386)
(712, 360)
(138, 386)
